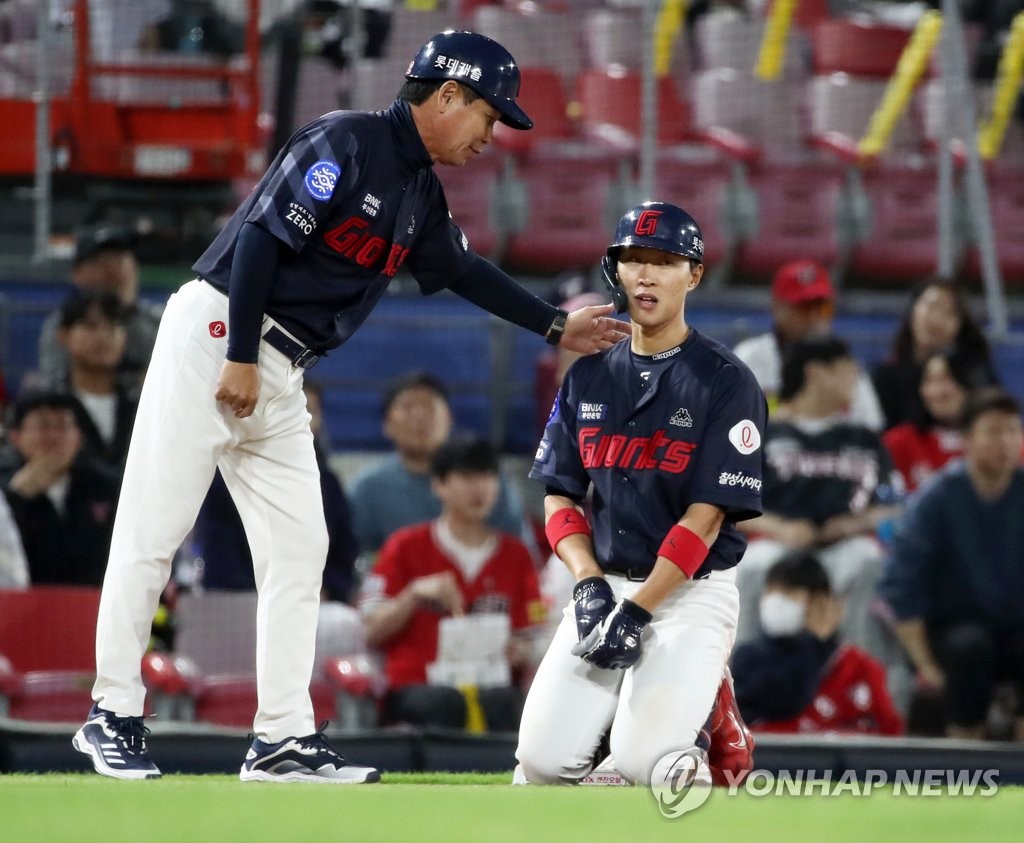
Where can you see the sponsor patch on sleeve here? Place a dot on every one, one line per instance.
(321, 179)
(745, 436)
(543, 449)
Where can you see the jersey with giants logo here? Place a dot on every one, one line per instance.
(653, 436)
(348, 226)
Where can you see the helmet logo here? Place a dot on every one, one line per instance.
(647, 223)
(454, 67)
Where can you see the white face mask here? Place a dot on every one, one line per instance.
(781, 614)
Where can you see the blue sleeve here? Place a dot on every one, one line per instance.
(313, 173)
(776, 679)
(252, 279)
(557, 462)
(916, 545)
(730, 461)
(489, 288)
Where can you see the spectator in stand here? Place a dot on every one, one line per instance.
(453, 565)
(936, 318)
(956, 575)
(92, 332)
(104, 262)
(921, 447)
(803, 304)
(828, 484)
(63, 503)
(396, 491)
(797, 676)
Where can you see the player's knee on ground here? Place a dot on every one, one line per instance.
(637, 755)
(544, 764)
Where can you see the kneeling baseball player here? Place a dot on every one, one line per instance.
(668, 431)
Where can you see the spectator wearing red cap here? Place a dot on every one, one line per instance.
(803, 304)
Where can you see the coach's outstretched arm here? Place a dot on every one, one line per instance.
(586, 330)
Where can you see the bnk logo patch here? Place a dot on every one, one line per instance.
(321, 179)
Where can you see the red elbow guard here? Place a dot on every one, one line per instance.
(684, 548)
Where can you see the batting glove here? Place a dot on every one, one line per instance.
(616, 642)
(593, 601)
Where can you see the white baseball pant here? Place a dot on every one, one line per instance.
(656, 707)
(181, 435)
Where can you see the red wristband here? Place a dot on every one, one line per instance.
(684, 548)
(564, 522)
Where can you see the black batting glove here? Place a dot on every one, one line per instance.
(593, 601)
(616, 643)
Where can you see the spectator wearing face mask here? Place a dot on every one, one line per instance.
(797, 675)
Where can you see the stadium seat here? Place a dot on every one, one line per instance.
(769, 114)
(1006, 201)
(901, 244)
(534, 36)
(798, 216)
(573, 196)
(47, 642)
(542, 96)
(472, 196)
(611, 106)
(845, 45)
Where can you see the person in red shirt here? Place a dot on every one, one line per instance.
(797, 676)
(921, 446)
(453, 566)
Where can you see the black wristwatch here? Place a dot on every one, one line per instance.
(554, 334)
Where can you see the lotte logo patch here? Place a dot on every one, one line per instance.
(218, 330)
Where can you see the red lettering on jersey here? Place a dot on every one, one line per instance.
(395, 259)
(345, 238)
(642, 453)
(370, 251)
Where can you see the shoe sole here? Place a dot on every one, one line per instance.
(80, 743)
(371, 777)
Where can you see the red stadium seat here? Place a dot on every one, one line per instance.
(1006, 200)
(902, 243)
(471, 194)
(542, 96)
(611, 99)
(571, 202)
(47, 636)
(798, 216)
(850, 46)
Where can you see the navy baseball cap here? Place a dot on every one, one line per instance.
(478, 62)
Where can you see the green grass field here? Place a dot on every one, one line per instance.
(479, 808)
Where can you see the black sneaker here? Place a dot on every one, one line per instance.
(308, 759)
(116, 745)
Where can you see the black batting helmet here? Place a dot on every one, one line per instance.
(478, 62)
(659, 225)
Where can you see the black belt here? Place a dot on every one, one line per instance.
(632, 574)
(296, 352)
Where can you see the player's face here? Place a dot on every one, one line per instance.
(993, 443)
(657, 283)
(934, 321)
(418, 422)
(466, 496)
(95, 342)
(465, 128)
(943, 397)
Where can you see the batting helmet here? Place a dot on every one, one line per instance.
(478, 62)
(657, 225)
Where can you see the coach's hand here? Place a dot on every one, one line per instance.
(239, 387)
(593, 601)
(590, 329)
(616, 642)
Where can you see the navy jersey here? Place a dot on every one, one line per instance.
(683, 427)
(354, 197)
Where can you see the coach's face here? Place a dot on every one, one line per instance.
(463, 129)
(657, 284)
